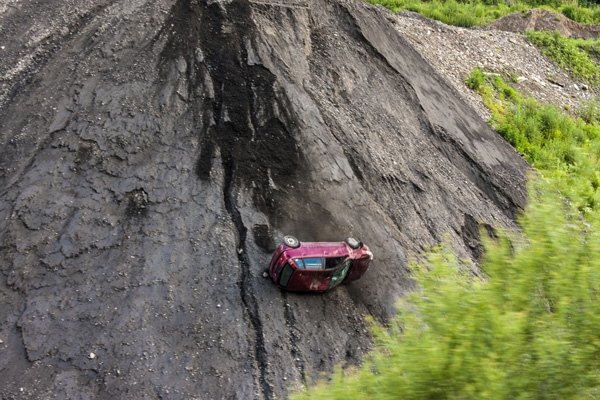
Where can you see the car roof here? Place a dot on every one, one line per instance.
(318, 249)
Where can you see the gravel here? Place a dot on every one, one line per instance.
(454, 52)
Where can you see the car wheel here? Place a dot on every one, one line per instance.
(353, 243)
(291, 241)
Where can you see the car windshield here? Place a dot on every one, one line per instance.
(340, 274)
(333, 262)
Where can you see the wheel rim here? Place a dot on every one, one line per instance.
(353, 242)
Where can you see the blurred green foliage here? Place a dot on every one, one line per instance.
(530, 327)
(529, 330)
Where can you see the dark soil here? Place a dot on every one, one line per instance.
(155, 152)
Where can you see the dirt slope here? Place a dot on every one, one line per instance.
(154, 152)
(545, 20)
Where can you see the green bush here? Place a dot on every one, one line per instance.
(529, 330)
(557, 144)
(579, 14)
(476, 80)
(566, 54)
(590, 112)
(569, 12)
(463, 21)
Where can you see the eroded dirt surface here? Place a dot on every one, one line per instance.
(155, 152)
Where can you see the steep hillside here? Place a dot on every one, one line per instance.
(154, 153)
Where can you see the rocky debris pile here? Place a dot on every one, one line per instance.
(541, 19)
(454, 52)
(148, 170)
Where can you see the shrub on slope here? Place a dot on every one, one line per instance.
(531, 327)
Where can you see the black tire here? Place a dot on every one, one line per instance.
(353, 243)
(291, 241)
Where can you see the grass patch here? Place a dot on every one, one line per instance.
(568, 54)
(476, 80)
(481, 12)
(451, 12)
(584, 15)
(561, 147)
(591, 47)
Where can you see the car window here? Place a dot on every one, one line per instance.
(313, 263)
(340, 274)
(299, 263)
(333, 262)
(286, 274)
(278, 268)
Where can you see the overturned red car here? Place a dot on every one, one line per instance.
(318, 266)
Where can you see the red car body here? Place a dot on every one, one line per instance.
(318, 266)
